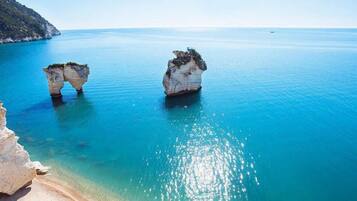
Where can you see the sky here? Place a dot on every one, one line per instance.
(91, 14)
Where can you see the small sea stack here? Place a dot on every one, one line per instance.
(57, 74)
(16, 168)
(183, 74)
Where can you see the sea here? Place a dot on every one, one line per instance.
(276, 119)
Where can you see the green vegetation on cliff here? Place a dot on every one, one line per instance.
(19, 23)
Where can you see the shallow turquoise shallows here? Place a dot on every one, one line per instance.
(276, 119)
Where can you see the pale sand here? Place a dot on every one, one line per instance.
(46, 188)
(62, 185)
(89, 189)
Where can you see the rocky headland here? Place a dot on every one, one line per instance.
(24, 180)
(19, 24)
(183, 74)
(16, 168)
(57, 74)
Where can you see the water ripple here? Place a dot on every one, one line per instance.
(210, 164)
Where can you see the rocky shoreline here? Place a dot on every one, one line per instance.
(26, 180)
(16, 168)
(27, 39)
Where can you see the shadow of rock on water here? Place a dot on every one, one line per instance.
(48, 104)
(182, 110)
(56, 102)
(74, 111)
(45, 105)
(183, 100)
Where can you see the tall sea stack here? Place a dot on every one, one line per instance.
(183, 74)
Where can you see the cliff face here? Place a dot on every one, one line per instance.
(19, 23)
(16, 168)
(183, 74)
(74, 73)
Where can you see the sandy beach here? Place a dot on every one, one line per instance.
(62, 185)
(46, 188)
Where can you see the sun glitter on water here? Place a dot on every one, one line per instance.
(209, 164)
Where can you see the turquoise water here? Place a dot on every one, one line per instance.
(276, 119)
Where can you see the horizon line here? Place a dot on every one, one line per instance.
(212, 27)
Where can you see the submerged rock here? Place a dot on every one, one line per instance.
(16, 168)
(183, 74)
(57, 74)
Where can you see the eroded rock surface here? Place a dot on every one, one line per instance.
(184, 72)
(16, 168)
(57, 74)
(55, 78)
(76, 74)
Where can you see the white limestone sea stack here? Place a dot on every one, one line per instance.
(183, 74)
(16, 168)
(57, 74)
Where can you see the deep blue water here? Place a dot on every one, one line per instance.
(276, 119)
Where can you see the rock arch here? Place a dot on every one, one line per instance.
(57, 74)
